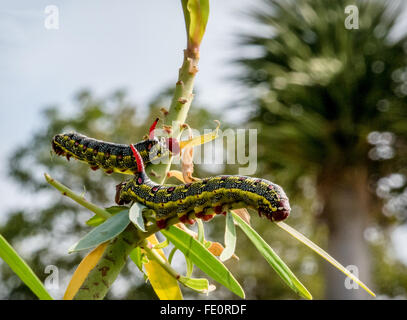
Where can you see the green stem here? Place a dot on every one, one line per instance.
(180, 104)
(102, 276)
(154, 255)
(77, 198)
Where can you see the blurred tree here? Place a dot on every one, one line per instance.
(331, 110)
(44, 232)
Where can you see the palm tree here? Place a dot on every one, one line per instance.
(330, 104)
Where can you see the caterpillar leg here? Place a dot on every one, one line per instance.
(118, 199)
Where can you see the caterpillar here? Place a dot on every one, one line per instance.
(200, 199)
(112, 157)
(204, 198)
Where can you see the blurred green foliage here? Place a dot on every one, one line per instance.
(330, 104)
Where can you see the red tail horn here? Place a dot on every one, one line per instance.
(152, 128)
(139, 160)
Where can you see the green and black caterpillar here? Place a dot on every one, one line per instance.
(200, 199)
(112, 157)
(204, 198)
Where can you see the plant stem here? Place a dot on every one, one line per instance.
(180, 104)
(102, 276)
(152, 254)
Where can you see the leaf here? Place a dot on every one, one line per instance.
(244, 214)
(104, 232)
(273, 259)
(230, 238)
(115, 209)
(201, 231)
(322, 253)
(137, 257)
(203, 259)
(199, 285)
(162, 245)
(171, 255)
(83, 269)
(199, 140)
(97, 220)
(176, 174)
(164, 285)
(22, 270)
(196, 14)
(136, 216)
(190, 267)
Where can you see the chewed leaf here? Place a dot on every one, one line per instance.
(176, 174)
(82, 271)
(136, 216)
(109, 229)
(322, 253)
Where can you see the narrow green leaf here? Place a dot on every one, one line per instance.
(104, 232)
(199, 285)
(136, 216)
(97, 220)
(171, 255)
(323, 254)
(203, 259)
(201, 231)
(230, 238)
(137, 257)
(162, 245)
(273, 259)
(116, 209)
(190, 267)
(22, 269)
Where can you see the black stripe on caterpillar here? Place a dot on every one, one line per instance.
(204, 198)
(111, 157)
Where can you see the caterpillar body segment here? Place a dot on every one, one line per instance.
(111, 157)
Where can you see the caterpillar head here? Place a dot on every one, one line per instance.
(283, 210)
(160, 148)
(278, 207)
